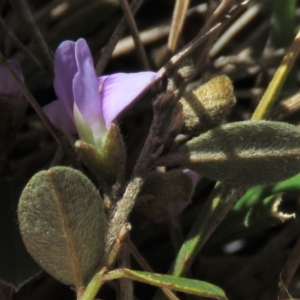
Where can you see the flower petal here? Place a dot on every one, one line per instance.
(86, 91)
(84, 131)
(8, 86)
(65, 69)
(175, 208)
(119, 90)
(58, 115)
(195, 177)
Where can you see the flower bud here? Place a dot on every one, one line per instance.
(108, 163)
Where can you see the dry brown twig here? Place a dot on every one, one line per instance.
(178, 19)
(24, 12)
(118, 32)
(135, 34)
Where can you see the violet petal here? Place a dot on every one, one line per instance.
(58, 115)
(85, 88)
(65, 69)
(8, 86)
(120, 89)
(175, 208)
(195, 177)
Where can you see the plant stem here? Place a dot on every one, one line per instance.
(269, 97)
(93, 286)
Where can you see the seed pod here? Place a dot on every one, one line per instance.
(206, 107)
(63, 224)
(250, 152)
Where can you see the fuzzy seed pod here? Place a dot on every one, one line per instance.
(62, 223)
(206, 107)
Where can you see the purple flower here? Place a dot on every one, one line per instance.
(8, 86)
(87, 104)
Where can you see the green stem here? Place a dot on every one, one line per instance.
(276, 83)
(98, 280)
(93, 287)
(216, 208)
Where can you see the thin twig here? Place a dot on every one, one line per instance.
(211, 28)
(125, 285)
(54, 132)
(148, 36)
(135, 34)
(144, 264)
(187, 50)
(234, 29)
(277, 81)
(34, 32)
(118, 32)
(138, 256)
(6, 30)
(290, 267)
(151, 35)
(218, 14)
(178, 18)
(225, 12)
(286, 107)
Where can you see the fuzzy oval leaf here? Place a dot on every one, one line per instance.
(63, 224)
(249, 152)
(185, 285)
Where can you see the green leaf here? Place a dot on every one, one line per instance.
(258, 193)
(250, 152)
(63, 224)
(252, 213)
(16, 265)
(245, 221)
(189, 286)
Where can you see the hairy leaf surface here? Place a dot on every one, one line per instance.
(250, 152)
(63, 224)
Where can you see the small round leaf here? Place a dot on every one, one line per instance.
(63, 224)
